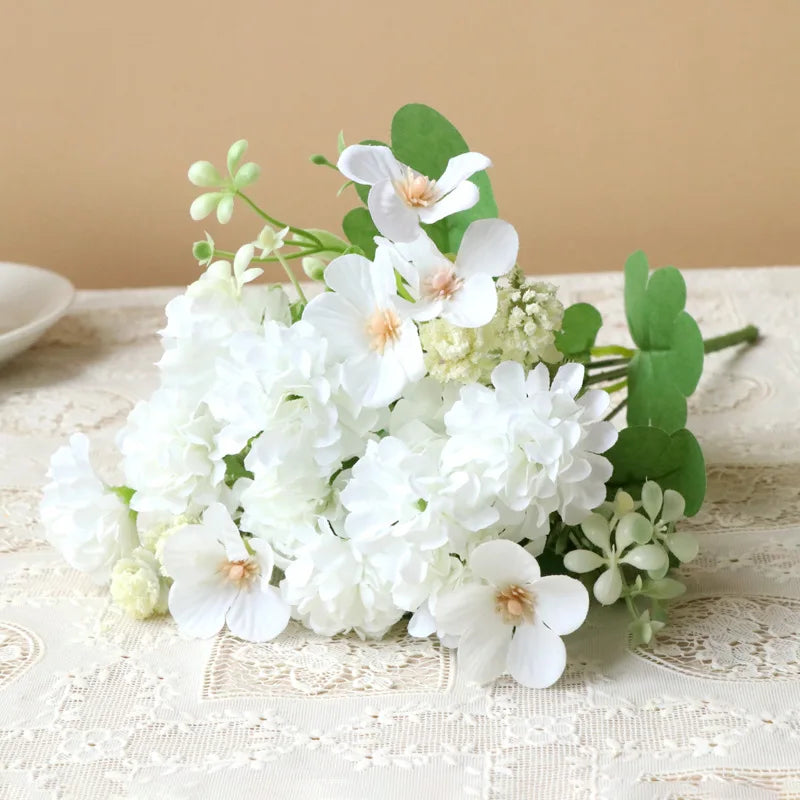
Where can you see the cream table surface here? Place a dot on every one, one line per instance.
(93, 705)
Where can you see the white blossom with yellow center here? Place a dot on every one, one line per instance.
(401, 198)
(510, 618)
(217, 579)
(368, 328)
(462, 291)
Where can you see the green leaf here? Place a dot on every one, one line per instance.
(333, 245)
(426, 141)
(673, 461)
(359, 228)
(578, 331)
(669, 362)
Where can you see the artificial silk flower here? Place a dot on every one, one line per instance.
(270, 240)
(461, 292)
(511, 619)
(631, 545)
(205, 175)
(401, 198)
(368, 328)
(536, 445)
(86, 521)
(218, 579)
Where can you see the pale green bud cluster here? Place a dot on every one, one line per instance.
(137, 585)
(528, 316)
(205, 175)
(153, 539)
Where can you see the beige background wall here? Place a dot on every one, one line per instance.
(671, 125)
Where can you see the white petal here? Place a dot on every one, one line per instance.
(422, 622)
(474, 304)
(459, 168)
(509, 377)
(464, 196)
(600, 436)
(264, 556)
(468, 605)
(258, 614)
(652, 498)
(202, 206)
(217, 519)
(392, 217)
(503, 563)
(536, 657)
(683, 545)
(582, 561)
(674, 506)
(538, 380)
(489, 247)
(385, 381)
(199, 608)
(409, 353)
(349, 276)
(343, 324)
(632, 528)
(192, 554)
(608, 587)
(241, 261)
(646, 556)
(595, 528)
(384, 281)
(561, 602)
(369, 164)
(569, 379)
(483, 651)
(595, 402)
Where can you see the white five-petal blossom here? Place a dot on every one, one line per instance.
(462, 292)
(401, 198)
(513, 620)
(368, 328)
(219, 579)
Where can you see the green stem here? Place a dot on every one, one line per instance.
(292, 278)
(277, 223)
(613, 350)
(616, 387)
(607, 362)
(747, 334)
(614, 411)
(611, 375)
(269, 259)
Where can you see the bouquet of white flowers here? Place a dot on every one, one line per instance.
(429, 436)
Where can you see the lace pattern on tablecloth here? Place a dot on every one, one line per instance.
(95, 705)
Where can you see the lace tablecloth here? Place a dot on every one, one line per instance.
(94, 705)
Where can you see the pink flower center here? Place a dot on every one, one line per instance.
(383, 327)
(240, 573)
(416, 191)
(515, 605)
(442, 284)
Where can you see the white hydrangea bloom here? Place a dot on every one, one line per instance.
(282, 500)
(88, 523)
(201, 322)
(167, 449)
(276, 383)
(535, 444)
(333, 588)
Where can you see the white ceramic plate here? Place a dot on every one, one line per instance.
(31, 300)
